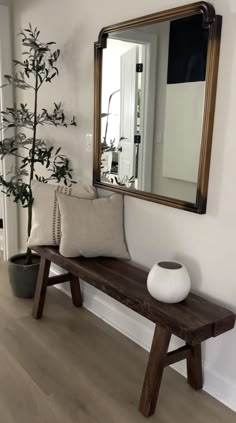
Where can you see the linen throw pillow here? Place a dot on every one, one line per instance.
(46, 217)
(92, 228)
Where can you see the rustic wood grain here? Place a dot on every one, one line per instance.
(194, 320)
(41, 288)
(194, 367)
(154, 372)
(55, 280)
(178, 355)
(75, 291)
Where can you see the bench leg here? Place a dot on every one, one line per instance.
(194, 367)
(154, 372)
(76, 292)
(41, 288)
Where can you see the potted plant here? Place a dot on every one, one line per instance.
(37, 68)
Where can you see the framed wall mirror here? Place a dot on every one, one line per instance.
(155, 90)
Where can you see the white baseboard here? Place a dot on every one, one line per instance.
(140, 330)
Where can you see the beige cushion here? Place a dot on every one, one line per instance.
(92, 228)
(46, 221)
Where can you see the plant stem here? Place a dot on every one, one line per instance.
(29, 252)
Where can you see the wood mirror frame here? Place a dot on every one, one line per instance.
(214, 23)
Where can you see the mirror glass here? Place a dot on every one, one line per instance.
(152, 107)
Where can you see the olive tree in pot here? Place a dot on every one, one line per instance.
(37, 68)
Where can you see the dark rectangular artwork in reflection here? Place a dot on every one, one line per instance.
(187, 50)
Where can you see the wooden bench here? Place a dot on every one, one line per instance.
(193, 320)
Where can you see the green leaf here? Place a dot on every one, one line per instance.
(58, 151)
(17, 62)
(38, 60)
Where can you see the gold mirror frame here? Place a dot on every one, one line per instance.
(214, 23)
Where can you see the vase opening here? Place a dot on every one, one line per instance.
(169, 265)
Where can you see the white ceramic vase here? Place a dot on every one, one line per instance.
(168, 282)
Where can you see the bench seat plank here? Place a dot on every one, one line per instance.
(194, 320)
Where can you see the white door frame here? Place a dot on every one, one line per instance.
(149, 42)
(10, 229)
(128, 112)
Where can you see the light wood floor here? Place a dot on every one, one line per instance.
(72, 367)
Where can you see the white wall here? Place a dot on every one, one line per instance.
(206, 244)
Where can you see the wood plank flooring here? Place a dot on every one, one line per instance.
(72, 367)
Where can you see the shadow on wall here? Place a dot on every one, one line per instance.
(226, 349)
(225, 96)
(196, 279)
(191, 263)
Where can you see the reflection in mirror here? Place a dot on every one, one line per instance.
(152, 107)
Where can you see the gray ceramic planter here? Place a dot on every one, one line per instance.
(23, 278)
